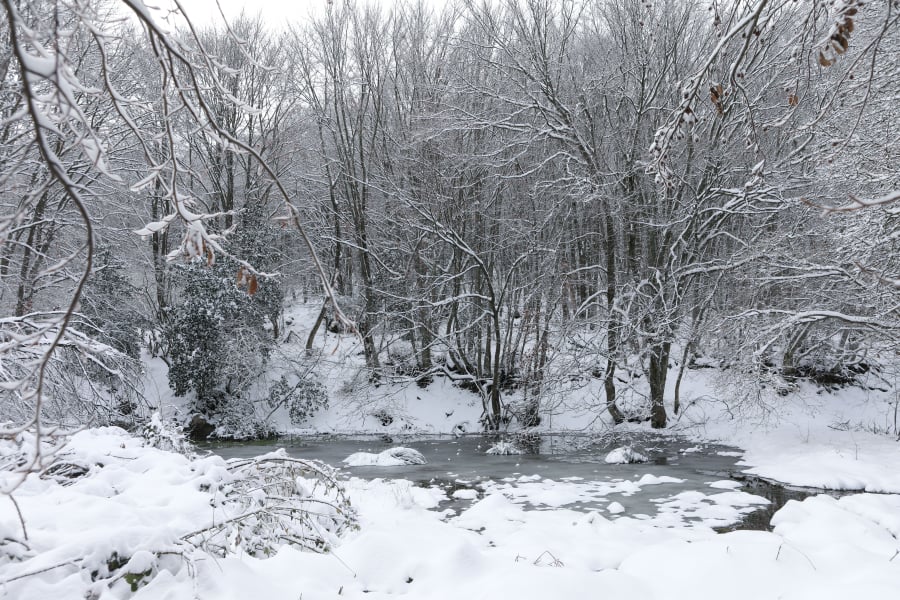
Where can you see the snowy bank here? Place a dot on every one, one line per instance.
(811, 438)
(499, 549)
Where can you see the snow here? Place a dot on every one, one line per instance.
(625, 455)
(138, 501)
(810, 438)
(716, 510)
(136, 508)
(392, 457)
(540, 492)
(465, 494)
(504, 449)
(725, 484)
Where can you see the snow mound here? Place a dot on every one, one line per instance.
(504, 448)
(140, 517)
(625, 455)
(392, 457)
(465, 494)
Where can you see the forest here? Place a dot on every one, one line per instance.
(489, 220)
(511, 195)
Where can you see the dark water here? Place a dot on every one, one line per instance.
(462, 463)
(778, 495)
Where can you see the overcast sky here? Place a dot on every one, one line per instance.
(274, 11)
(277, 12)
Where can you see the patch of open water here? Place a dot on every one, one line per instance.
(560, 471)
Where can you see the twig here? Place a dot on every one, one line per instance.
(39, 571)
(19, 512)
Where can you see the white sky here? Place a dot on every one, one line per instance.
(276, 12)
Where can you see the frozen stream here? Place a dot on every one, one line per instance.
(683, 482)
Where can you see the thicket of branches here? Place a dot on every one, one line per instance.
(514, 195)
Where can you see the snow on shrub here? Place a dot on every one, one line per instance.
(237, 419)
(273, 500)
(304, 399)
(165, 436)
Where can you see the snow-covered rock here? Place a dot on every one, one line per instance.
(392, 457)
(465, 494)
(625, 455)
(460, 429)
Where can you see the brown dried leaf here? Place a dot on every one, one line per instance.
(839, 43)
(715, 96)
(253, 285)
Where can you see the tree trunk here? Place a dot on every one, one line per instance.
(676, 406)
(609, 386)
(612, 330)
(496, 407)
(315, 327)
(659, 368)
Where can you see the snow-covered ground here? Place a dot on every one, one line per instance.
(122, 525)
(842, 439)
